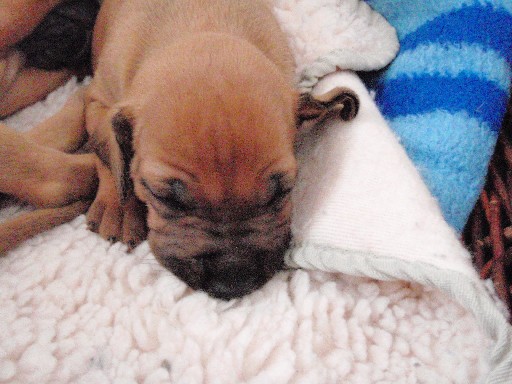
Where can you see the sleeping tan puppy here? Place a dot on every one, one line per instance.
(192, 115)
(194, 100)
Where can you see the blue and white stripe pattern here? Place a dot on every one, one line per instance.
(446, 93)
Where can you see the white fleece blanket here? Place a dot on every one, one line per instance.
(386, 294)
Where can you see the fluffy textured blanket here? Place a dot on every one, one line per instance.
(386, 295)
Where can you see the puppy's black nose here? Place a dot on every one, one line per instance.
(232, 282)
(227, 277)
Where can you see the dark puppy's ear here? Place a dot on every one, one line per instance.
(341, 102)
(121, 157)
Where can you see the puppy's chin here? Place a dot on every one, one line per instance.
(224, 274)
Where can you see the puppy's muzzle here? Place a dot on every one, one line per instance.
(227, 274)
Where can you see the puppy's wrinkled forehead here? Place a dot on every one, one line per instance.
(231, 144)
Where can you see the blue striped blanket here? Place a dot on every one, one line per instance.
(446, 93)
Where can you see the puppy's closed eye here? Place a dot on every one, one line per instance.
(279, 188)
(175, 196)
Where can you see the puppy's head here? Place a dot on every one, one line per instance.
(213, 160)
(207, 142)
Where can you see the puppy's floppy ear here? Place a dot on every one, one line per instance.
(341, 102)
(121, 157)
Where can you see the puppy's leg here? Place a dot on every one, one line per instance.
(21, 228)
(30, 86)
(36, 173)
(105, 216)
(116, 215)
(66, 130)
(43, 176)
(113, 220)
(134, 222)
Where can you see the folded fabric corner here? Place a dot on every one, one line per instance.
(361, 208)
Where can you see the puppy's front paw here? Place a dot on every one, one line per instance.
(113, 220)
(134, 229)
(105, 217)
